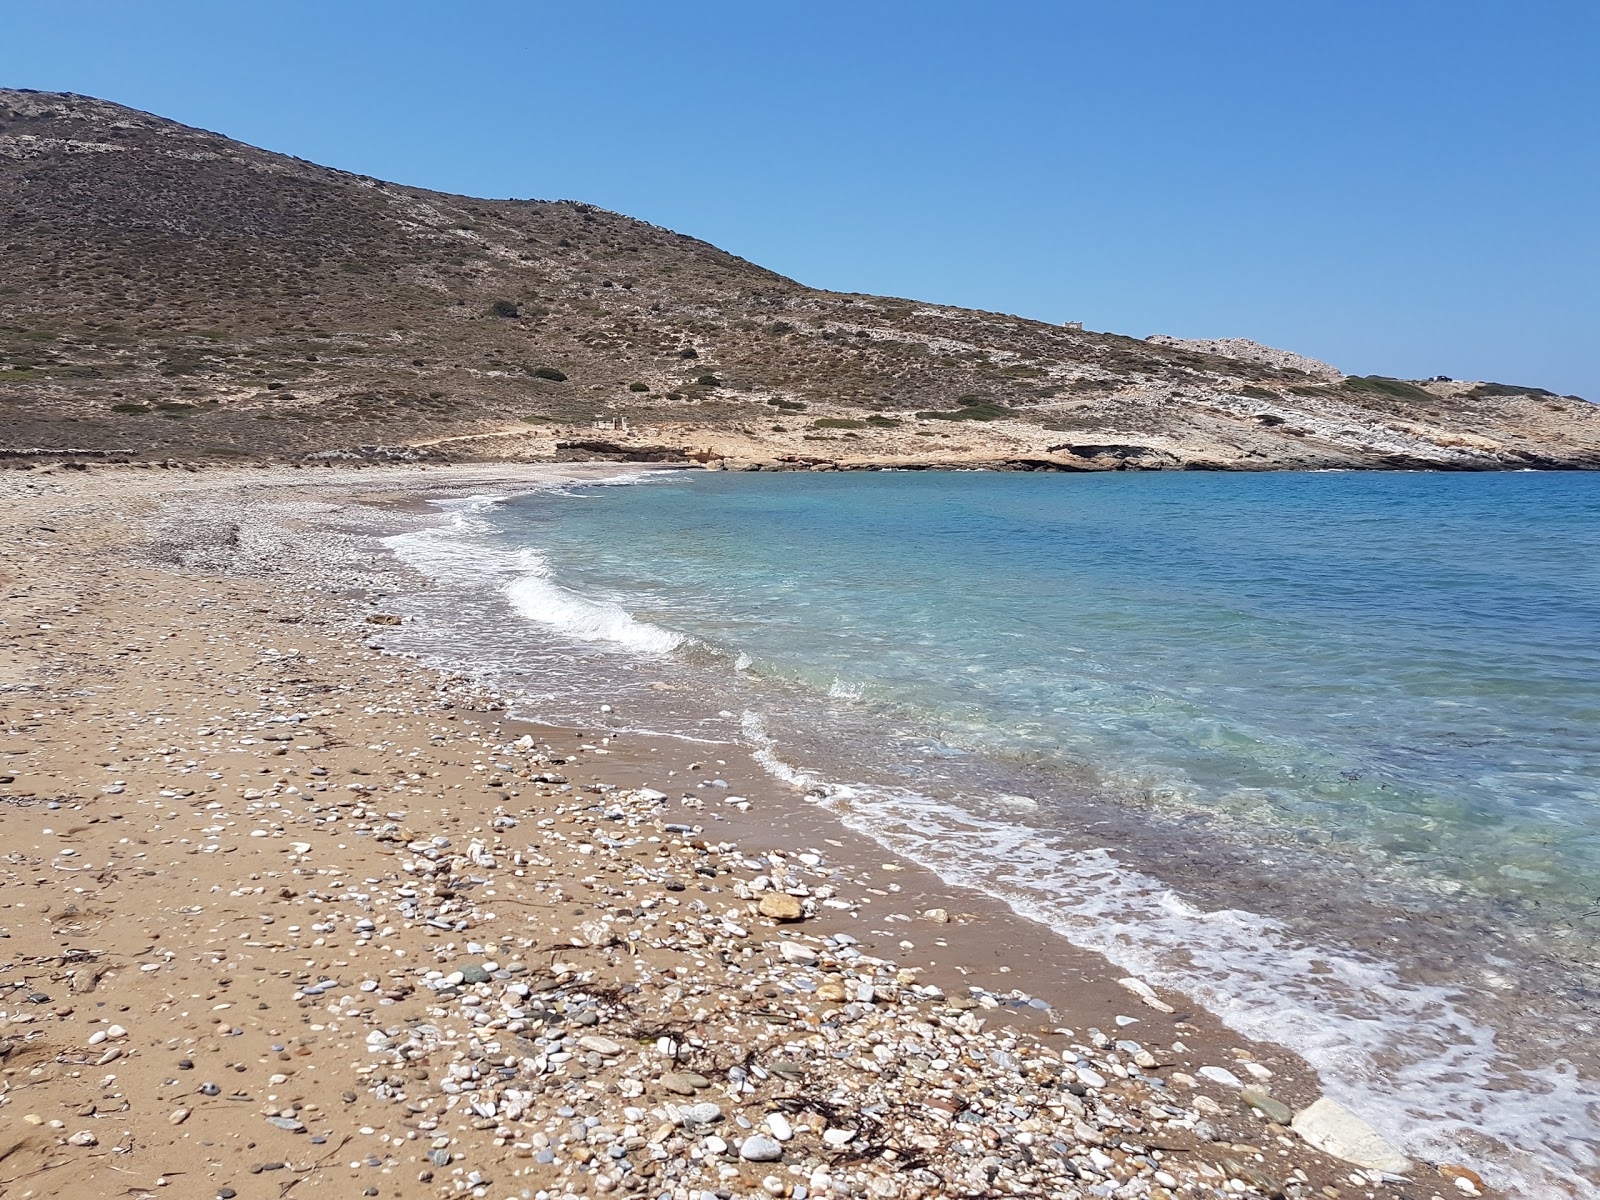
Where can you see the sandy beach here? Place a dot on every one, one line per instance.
(283, 913)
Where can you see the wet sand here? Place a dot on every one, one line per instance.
(284, 913)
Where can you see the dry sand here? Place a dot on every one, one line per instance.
(282, 914)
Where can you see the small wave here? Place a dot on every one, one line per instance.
(463, 549)
(755, 729)
(538, 599)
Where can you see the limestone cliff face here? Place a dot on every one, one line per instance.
(171, 292)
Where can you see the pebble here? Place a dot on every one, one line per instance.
(758, 1148)
(1273, 1110)
(780, 906)
(684, 1083)
(798, 953)
(602, 1046)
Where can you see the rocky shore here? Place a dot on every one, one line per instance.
(285, 914)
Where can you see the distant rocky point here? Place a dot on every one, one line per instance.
(172, 294)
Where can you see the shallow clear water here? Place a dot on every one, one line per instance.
(1397, 673)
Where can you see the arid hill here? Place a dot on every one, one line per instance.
(169, 292)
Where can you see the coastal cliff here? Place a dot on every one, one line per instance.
(172, 293)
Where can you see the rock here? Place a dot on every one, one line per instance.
(602, 1046)
(779, 1124)
(1145, 993)
(1273, 1110)
(476, 973)
(781, 906)
(838, 1137)
(1467, 1180)
(1220, 1075)
(1334, 1129)
(704, 1113)
(84, 1138)
(684, 1083)
(797, 953)
(178, 1116)
(938, 916)
(759, 1148)
(382, 619)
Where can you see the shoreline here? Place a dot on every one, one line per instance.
(982, 933)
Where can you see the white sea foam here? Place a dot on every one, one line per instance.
(452, 552)
(537, 598)
(1407, 1056)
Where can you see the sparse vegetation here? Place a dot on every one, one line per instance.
(982, 411)
(337, 321)
(1381, 385)
(1486, 391)
(838, 423)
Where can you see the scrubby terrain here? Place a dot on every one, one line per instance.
(169, 292)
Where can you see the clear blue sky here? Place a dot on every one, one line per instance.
(1400, 187)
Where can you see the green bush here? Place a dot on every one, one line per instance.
(882, 422)
(550, 373)
(505, 308)
(130, 408)
(638, 387)
(1485, 390)
(985, 410)
(788, 405)
(837, 423)
(708, 380)
(1382, 385)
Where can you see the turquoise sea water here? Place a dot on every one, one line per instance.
(1076, 692)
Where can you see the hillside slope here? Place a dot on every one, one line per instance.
(171, 292)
